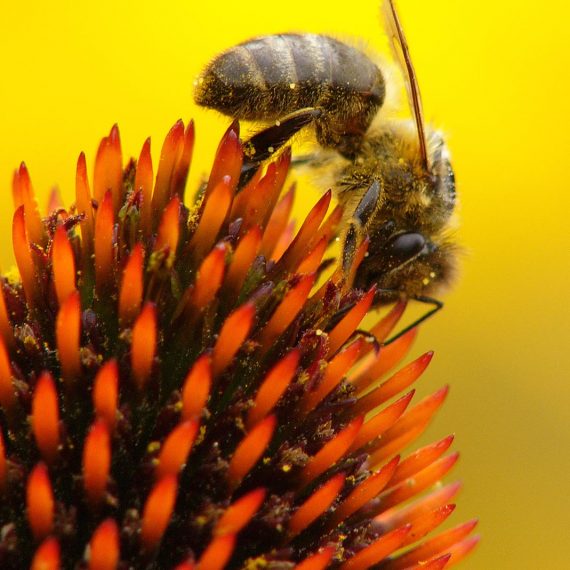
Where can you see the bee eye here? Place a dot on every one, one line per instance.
(403, 247)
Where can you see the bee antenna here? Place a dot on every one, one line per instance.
(401, 53)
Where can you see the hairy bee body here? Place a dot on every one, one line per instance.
(393, 178)
(267, 78)
(410, 222)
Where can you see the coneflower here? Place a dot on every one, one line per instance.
(180, 386)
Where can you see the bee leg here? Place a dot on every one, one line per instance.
(436, 304)
(265, 143)
(356, 226)
(352, 239)
(368, 203)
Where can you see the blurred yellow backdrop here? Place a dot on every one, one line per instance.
(494, 75)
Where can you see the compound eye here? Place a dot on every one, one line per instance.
(403, 247)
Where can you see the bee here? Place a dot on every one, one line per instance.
(393, 176)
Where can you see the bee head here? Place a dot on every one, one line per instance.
(409, 264)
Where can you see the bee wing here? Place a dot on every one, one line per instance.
(402, 56)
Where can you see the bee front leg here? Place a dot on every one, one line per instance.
(356, 227)
(368, 203)
(267, 142)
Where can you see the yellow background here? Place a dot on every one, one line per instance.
(494, 75)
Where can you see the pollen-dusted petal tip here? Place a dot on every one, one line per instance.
(298, 247)
(143, 345)
(84, 205)
(169, 230)
(96, 461)
(365, 491)
(349, 322)
(104, 253)
(273, 386)
(172, 150)
(288, 309)
(158, 511)
(418, 416)
(143, 184)
(256, 201)
(228, 160)
(232, 335)
(23, 255)
(395, 517)
(215, 211)
(106, 392)
(180, 174)
(104, 546)
(428, 522)
(394, 385)
(131, 292)
(382, 421)
(319, 502)
(242, 259)
(196, 388)
(45, 417)
(334, 373)
(317, 561)
(388, 358)
(460, 550)
(240, 513)
(209, 277)
(433, 547)
(63, 262)
(436, 564)
(420, 481)
(176, 448)
(34, 225)
(421, 459)
(277, 223)
(108, 175)
(378, 550)
(40, 502)
(217, 553)
(332, 451)
(250, 449)
(68, 333)
(47, 556)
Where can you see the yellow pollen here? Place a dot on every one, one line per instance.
(432, 275)
(153, 446)
(292, 85)
(425, 280)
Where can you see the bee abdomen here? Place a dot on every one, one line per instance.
(272, 76)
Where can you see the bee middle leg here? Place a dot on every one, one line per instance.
(267, 142)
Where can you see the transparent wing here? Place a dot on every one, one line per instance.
(402, 56)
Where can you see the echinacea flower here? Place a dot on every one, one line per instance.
(181, 387)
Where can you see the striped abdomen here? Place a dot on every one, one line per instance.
(269, 77)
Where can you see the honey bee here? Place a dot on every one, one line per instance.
(393, 177)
